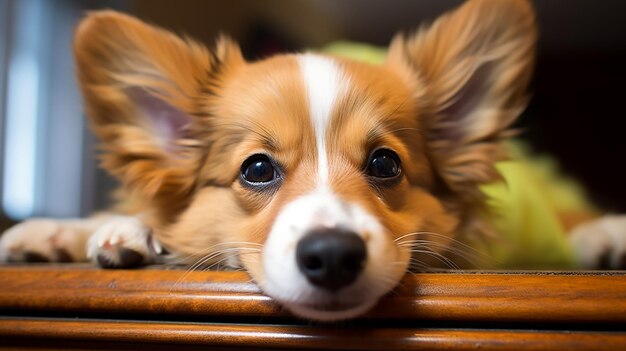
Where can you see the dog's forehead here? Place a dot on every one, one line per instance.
(267, 101)
(314, 107)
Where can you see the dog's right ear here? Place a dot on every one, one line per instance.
(474, 65)
(142, 88)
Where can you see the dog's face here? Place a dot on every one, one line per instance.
(317, 174)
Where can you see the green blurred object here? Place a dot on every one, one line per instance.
(524, 206)
(357, 51)
(524, 211)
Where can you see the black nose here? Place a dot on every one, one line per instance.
(331, 258)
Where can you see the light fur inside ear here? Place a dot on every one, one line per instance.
(142, 88)
(474, 65)
(166, 122)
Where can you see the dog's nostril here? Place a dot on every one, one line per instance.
(331, 258)
(312, 263)
(352, 263)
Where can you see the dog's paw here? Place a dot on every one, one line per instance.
(122, 242)
(42, 240)
(601, 243)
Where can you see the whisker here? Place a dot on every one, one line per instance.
(473, 257)
(226, 258)
(446, 237)
(194, 267)
(415, 261)
(209, 257)
(214, 247)
(206, 259)
(443, 259)
(447, 248)
(222, 252)
(438, 235)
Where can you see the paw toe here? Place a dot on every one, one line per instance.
(122, 242)
(121, 258)
(62, 256)
(601, 244)
(30, 256)
(39, 240)
(621, 265)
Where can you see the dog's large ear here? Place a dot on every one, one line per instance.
(472, 67)
(142, 87)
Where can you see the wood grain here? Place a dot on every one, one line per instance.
(299, 337)
(44, 307)
(489, 297)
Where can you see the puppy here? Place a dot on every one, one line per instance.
(325, 178)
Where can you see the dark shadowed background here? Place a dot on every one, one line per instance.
(47, 155)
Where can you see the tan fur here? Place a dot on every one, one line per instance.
(232, 118)
(443, 102)
(380, 113)
(493, 42)
(178, 121)
(250, 119)
(116, 55)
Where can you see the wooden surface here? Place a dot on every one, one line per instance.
(308, 337)
(80, 307)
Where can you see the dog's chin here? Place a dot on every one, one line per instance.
(309, 302)
(328, 312)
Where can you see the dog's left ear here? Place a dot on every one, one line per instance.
(472, 67)
(143, 88)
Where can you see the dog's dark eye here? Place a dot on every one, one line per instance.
(258, 169)
(384, 163)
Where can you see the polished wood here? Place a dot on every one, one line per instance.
(116, 309)
(308, 337)
(468, 296)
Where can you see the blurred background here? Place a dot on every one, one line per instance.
(47, 163)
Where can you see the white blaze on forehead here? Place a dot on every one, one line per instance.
(323, 80)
